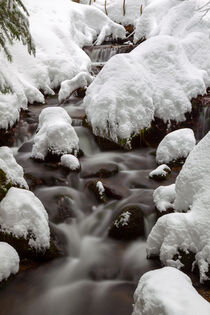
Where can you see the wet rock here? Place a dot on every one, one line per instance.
(25, 251)
(162, 213)
(186, 259)
(26, 147)
(64, 209)
(114, 192)
(160, 173)
(129, 225)
(101, 170)
(97, 188)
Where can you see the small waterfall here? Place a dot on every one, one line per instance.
(203, 124)
(101, 54)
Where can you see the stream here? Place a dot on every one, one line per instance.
(98, 274)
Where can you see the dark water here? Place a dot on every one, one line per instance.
(98, 275)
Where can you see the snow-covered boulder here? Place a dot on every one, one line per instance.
(156, 79)
(59, 29)
(23, 216)
(164, 197)
(70, 161)
(125, 14)
(55, 134)
(189, 232)
(161, 172)
(194, 176)
(175, 145)
(168, 291)
(9, 261)
(11, 173)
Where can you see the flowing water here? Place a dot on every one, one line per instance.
(97, 275)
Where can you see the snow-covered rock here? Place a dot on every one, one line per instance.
(117, 12)
(168, 291)
(59, 30)
(123, 219)
(101, 189)
(158, 78)
(194, 176)
(175, 145)
(161, 172)
(187, 232)
(164, 197)
(70, 161)
(81, 80)
(13, 171)
(55, 134)
(23, 215)
(9, 261)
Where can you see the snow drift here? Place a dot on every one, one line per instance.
(116, 11)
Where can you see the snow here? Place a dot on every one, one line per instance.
(168, 291)
(100, 188)
(55, 134)
(158, 78)
(194, 175)
(81, 80)
(164, 197)
(123, 219)
(188, 232)
(9, 261)
(172, 17)
(114, 9)
(23, 215)
(70, 161)
(59, 30)
(161, 171)
(9, 110)
(11, 168)
(175, 145)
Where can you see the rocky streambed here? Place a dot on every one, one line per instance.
(102, 238)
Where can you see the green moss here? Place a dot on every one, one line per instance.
(5, 185)
(25, 251)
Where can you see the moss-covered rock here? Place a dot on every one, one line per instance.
(25, 251)
(129, 225)
(5, 184)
